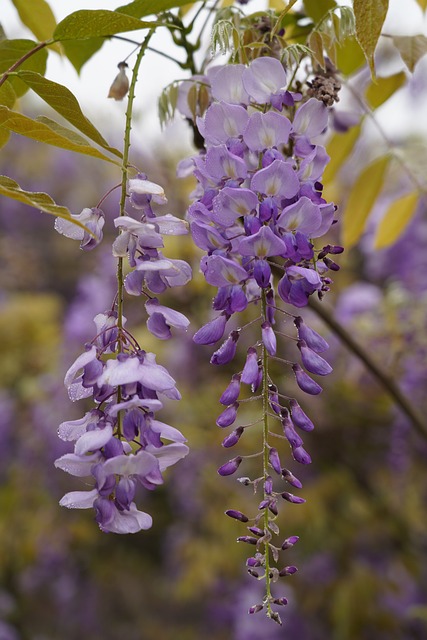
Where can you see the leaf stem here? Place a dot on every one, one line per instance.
(22, 59)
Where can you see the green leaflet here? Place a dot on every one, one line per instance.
(370, 16)
(142, 8)
(317, 9)
(42, 201)
(96, 23)
(49, 132)
(37, 16)
(65, 103)
(11, 51)
(361, 200)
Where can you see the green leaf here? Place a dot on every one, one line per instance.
(49, 132)
(338, 149)
(42, 201)
(11, 51)
(65, 103)
(350, 56)
(94, 23)
(7, 95)
(317, 9)
(4, 137)
(396, 220)
(381, 90)
(361, 200)
(411, 48)
(142, 8)
(37, 16)
(79, 52)
(370, 16)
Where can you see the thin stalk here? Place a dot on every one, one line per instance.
(388, 383)
(22, 59)
(265, 457)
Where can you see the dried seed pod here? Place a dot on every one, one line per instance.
(120, 85)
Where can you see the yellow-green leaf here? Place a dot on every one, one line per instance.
(423, 4)
(94, 23)
(315, 43)
(4, 136)
(11, 51)
(42, 201)
(338, 149)
(411, 48)
(370, 16)
(49, 132)
(396, 220)
(37, 16)
(142, 8)
(79, 52)
(65, 103)
(361, 200)
(7, 95)
(381, 90)
(350, 56)
(317, 9)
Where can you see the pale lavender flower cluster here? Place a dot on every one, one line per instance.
(257, 208)
(120, 442)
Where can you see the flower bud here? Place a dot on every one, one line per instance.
(230, 467)
(228, 416)
(237, 515)
(304, 381)
(299, 418)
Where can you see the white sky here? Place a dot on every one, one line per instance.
(91, 88)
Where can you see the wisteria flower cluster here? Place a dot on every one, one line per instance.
(257, 208)
(120, 443)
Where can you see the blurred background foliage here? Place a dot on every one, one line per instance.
(363, 543)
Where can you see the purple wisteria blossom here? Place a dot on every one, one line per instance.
(120, 444)
(257, 211)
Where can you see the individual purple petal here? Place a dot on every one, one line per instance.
(212, 331)
(223, 121)
(278, 179)
(233, 438)
(228, 416)
(291, 479)
(156, 324)
(232, 203)
(79, 466)
(73, 429)
(312, 361)
(150, 404)
(227, 350)
(230, 467)
(250, 370)
(290, 434)
(303, 216)
(313, 164)
(93, 440)
(172, 317)
(221, 271)
(232, 392)
(139, 464)
(298, 284)
(291, 498)
(289, 542)
(237, 515)
(79, 499)
(268, 338)
(128, 521)
(226, 83)
(310, 119)
(262, 244)
(208, 238)
(274, 460)
(93, 219)
(304, 381)
(145, 187)
(313, 339)
(169, 454)
(73, 382)
(262, 273)
(169, 225)
(301, 455)
(125, 492)
(263, 77)
(179, 274)
(299, 418)
(288, 571)
(221, 164)
(266, 130)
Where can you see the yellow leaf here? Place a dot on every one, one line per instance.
(370, 16)
(395, 220)
(338, 149)
(381, 90)
(38, 17)
(423, 4)
(349, 56)
(361, 200)
(315, 43)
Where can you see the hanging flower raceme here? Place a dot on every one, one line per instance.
(120, 444)
(257, 209)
